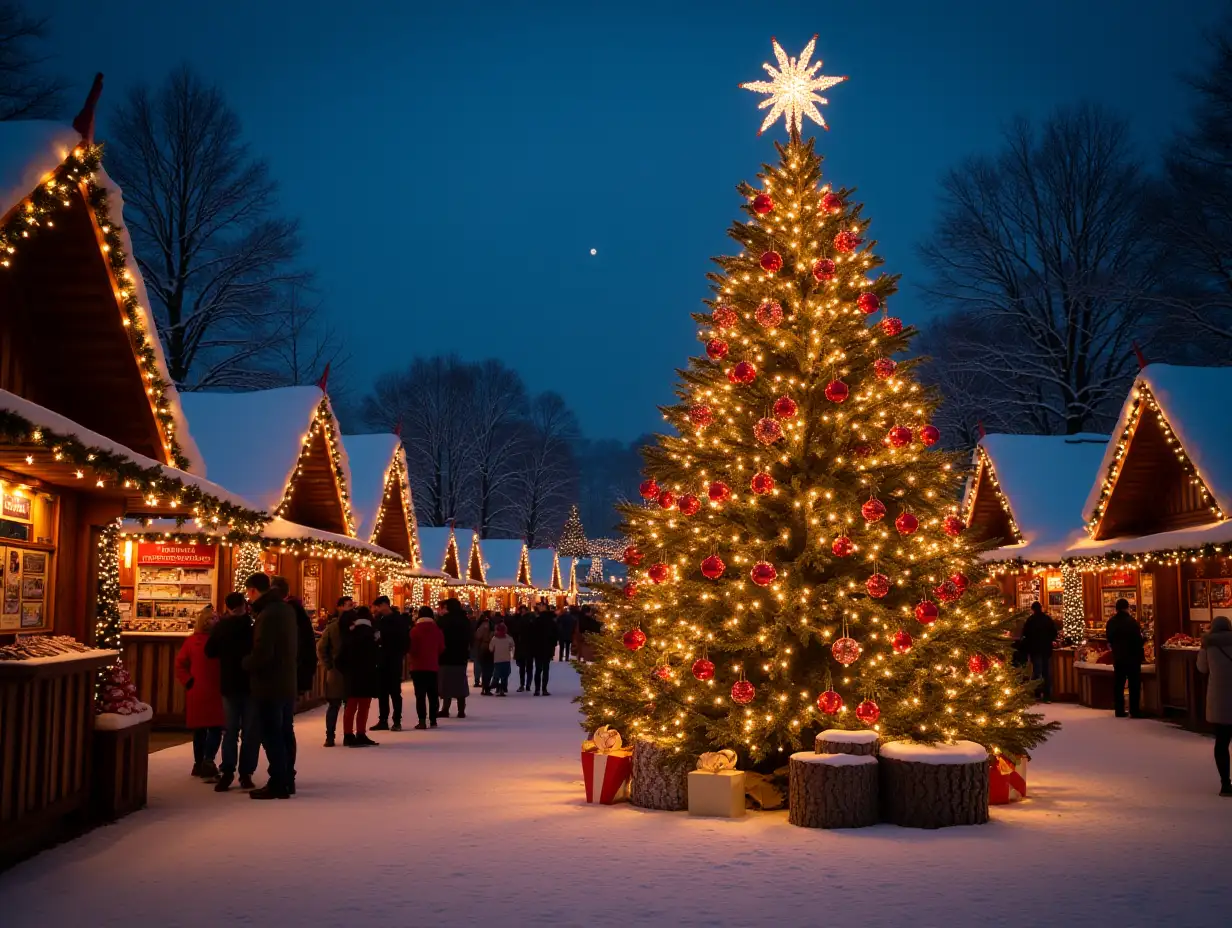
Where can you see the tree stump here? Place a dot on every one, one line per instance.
(660, 778)
(832, 790)
(934, 785)
(839, 741)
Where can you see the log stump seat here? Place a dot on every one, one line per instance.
(832, 790)
(841, 741)
(934, 785)
(660, 777)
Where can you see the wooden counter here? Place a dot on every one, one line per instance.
(1182, 688)
(46, 731)
(150, 659)
(1064, 677)
(1095, 687)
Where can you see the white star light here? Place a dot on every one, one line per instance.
(793, 89)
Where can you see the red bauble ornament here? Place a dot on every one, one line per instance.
(762, 204)
(878, 585)
(767, 431)
(946, 591)
(689, 504)
(724, 317)
(662, 672)
(743, 373)
(716, 349)
(703, 669)
(713, 567)
(632, 557)
(926, 612)
(846, 650)
(902, 642)
(837, 391)
(832, 203)
(830, 702)
(769, 314)
(719, 492)
(847, 242)
(868, 302)
(658, 572)
(630, 590)
(891, 326)
(824, 269)
(649, 489)
(634, 639)
(761, 484)
(959, 579)
(906, 523)
(884, 368)
(667, 499)
(873, 511)
(930, 435)
(899, 436)
(862, 449)
(701, 414)
(785, 407)
(763, 573)
(743, 692)
(952, 526)
(771, 261)
(842, 546)
(868, 712)
(978, 663)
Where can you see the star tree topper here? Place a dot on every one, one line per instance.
(793, 89)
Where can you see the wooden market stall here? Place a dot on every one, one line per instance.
(381, 501)
(1025, 494)
(507, 570)
(545, 576)
(90, 429)
(438, 547)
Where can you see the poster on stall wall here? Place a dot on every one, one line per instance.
(1109, 600)
(10, 604)
(7, 622)
(1199, 601)
(1221, 598)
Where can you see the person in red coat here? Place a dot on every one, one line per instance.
(427, 643)
(201, 678)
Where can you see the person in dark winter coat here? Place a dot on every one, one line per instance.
(1038, 634)
(542, 642)
(519, 627)
(451, 683)
(427, 643)
(1124, 636)
(201, 676)
(394, 632)
(1215, 660)
(231, 642)
(360, 662)
(328, 646)
(306, 640)
(566, 622)
(484, 662)
(272, 678)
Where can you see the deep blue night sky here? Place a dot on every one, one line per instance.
(454, 163)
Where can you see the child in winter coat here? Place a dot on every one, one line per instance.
(201, 677)
(501, 647)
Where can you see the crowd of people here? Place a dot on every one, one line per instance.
(244, 669)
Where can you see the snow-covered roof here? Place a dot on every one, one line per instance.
(370, 457)
(503, 560)
(32, 149)
(434, 545)
(1216, 533)
(544, 569)
(252, 441)
(1044, 478)
(274, 530)
(54, 422)
(1187, 397)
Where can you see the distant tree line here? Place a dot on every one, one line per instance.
(1053, 259)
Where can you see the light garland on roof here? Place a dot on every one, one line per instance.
(54, 193)
(1143, 399)
(397, 482)
(984, 468)
(322, 420)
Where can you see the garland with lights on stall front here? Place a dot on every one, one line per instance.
(797, 562)
(106, 467)
(322, 419)
(396, 481)
(78, 170)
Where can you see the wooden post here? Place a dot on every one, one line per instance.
(660, 777)
(832, 790)
(934, 786)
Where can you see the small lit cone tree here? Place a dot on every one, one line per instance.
(572, 536)
(798, 562)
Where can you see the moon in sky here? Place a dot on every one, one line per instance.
(594, 251)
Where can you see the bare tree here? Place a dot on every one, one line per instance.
(1045, 245)
(428, 401)
(547, 475)
(26, 92)
(494, 437)
(201, 209)
(308, 344)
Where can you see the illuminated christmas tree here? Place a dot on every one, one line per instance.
(572, 537)
(798, 561)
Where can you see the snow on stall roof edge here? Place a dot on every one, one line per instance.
(276, 529)
(541, 572)
(370, 457)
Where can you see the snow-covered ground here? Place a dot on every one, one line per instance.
(482, 822)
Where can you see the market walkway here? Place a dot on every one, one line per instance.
(481, 822)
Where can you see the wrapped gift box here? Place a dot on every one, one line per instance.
(607, 775)
(1007, 779)
(719, 794)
